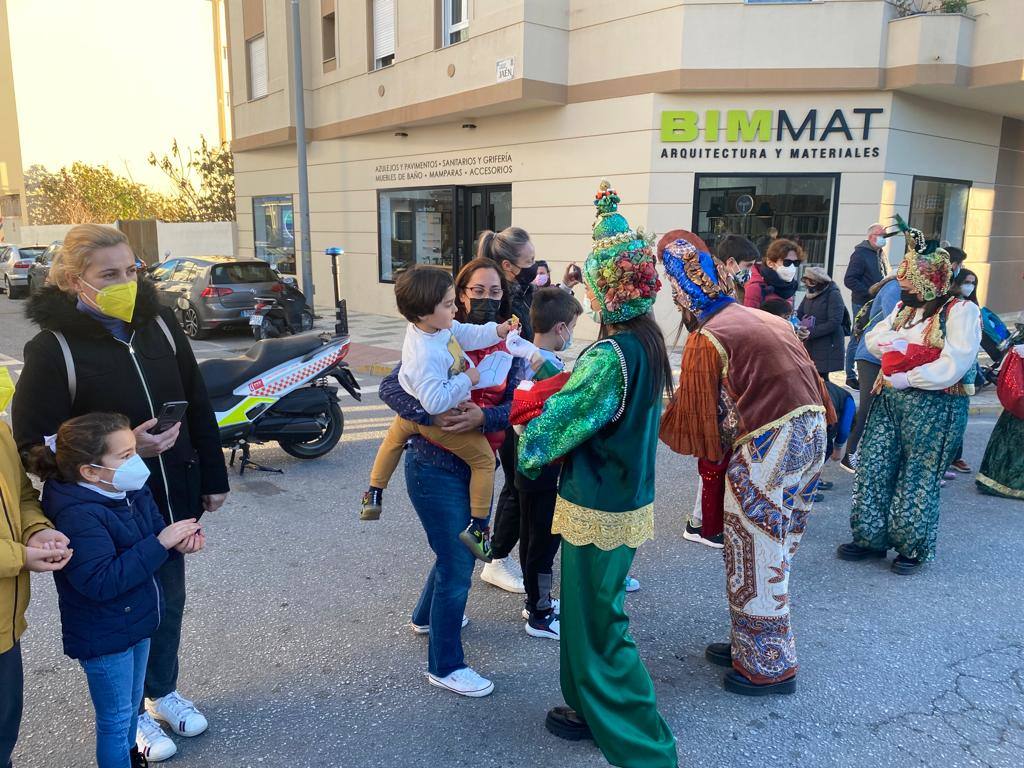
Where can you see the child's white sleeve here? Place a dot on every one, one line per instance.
(472, 337)
(424, 375)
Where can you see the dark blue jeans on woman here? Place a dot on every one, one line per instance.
(441, 500)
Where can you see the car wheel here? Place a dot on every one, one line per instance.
(192, 325)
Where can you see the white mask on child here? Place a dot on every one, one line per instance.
(566, 343)
(130, 476)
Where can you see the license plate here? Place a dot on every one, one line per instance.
(248, 312)
(256, 320)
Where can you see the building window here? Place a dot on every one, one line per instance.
(763, 207)
(938, 207)
(383, 33)
(273, 222)
(415, 226)
(455, 22)
(329, 36)
(256, 66)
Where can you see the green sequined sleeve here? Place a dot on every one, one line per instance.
(588, 401)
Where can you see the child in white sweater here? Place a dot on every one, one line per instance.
(435, 372)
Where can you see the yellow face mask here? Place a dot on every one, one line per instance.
(6, 389)
(117, 300)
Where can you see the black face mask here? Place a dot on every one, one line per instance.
(911, 299)
(483, 311)
(526, 274)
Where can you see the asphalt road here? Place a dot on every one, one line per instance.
(297, 646)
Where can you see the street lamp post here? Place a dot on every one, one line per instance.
(300, 151)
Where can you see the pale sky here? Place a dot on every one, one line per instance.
(109, 81)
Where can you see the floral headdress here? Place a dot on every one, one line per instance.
(620, 269)
(925, 265)
(697, 280)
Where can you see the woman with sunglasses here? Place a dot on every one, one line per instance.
(776, 275)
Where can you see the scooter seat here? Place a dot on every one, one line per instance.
(225, 375)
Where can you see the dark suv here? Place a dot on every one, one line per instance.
(40, 270)
(210, 292)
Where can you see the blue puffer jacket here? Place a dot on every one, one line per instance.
(109, 595)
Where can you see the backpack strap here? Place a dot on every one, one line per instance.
(69, 364)
(167, 333)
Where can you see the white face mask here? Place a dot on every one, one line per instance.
(540, 280)
(595, 315)
(787, 272)
(966, 289)
(566, 342)
(130, 476)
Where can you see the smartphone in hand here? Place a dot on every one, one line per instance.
(170, 414)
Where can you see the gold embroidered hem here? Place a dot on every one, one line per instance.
(998, 487)
(778, 422)
(581, 526)
(721, 350)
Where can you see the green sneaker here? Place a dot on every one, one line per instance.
(373, 500)
(477, 541)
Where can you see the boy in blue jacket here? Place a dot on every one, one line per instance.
(109, 597)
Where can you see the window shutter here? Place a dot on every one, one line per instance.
(258, 67)
(383, 29)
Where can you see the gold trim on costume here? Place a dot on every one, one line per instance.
(581, 526)
(721, 350)
(999, 487)
(778, 422)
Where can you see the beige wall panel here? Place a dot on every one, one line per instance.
(275, 181)
(414, 28)
(550, 13)
(930, 118)
(1008, 198)
(997, 31)
(757, 34)
(982, 197)
(996, 224)
(275, 157)
(929, 39)
(545, 54)
(585, 13)
(657, 34)
(1011, 167)
(334, 202)
(915, 154)
(564, 220)
(1000, 286)
(671, 187)
(549, 193)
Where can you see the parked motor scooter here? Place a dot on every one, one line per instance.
(284, 313)
(278, 391)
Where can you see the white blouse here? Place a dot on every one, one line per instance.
(960, 352)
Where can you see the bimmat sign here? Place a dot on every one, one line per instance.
(746, 129)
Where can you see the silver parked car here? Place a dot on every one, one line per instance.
(211, 292)
(15, 263)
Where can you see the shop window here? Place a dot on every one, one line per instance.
(455, 22)
(383, 33)
(938, 207)
(273, 221)
(256, 66)
(328, 34)
(415, 226)
(761, 208)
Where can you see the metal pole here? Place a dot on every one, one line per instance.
(218, 73)
(300, 152)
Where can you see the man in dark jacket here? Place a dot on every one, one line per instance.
(131, 368)
(867, 266)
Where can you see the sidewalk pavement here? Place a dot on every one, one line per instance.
(377, 348)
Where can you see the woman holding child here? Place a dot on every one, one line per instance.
(439, 482)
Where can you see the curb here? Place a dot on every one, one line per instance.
(375, 369)
(984, 410)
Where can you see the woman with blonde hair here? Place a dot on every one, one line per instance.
(106, 345)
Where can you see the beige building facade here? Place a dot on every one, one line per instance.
(429, 120)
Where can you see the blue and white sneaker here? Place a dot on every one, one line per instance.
(632, 585)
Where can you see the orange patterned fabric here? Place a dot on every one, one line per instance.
(690, 422)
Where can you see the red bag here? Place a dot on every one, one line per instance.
(1010, 385)
(527, 403)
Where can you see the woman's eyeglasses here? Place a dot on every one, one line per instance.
(482, 292)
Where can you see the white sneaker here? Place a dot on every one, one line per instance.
(632, 585)
(179, 713)
(551, 631)
(152, 742)
(464, 682)
(555, 606)
(503, 574)
(424, 629)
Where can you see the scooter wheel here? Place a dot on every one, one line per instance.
(321, 446)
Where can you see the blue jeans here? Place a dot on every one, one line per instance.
(851, 345)
(441, 500)
(115, 685)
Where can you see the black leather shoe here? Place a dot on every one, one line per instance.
(734, 682)
(853, 383)
(856, 552)
(138, 760)
(565, 723)
(719, 653)
(905, 566)
(826, 485)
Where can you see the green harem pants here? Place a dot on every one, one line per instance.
(911, 437)
(603, 678)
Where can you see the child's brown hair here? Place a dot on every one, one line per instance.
(80, 441)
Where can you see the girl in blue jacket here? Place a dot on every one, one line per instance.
(110, 601)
